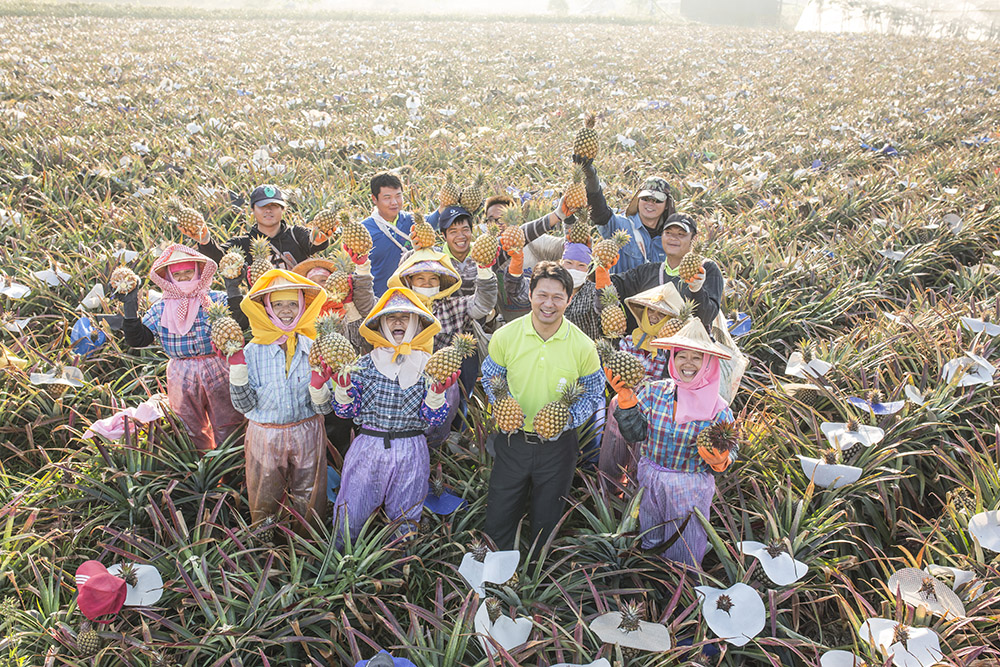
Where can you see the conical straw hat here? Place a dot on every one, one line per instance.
(693, 336)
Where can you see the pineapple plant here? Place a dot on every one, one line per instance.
(613, 321)
(226, 334)
(188, 220)
(575, 196)
(774, 549)
(124, 280)
(494, 608)
(689, 266)
(127, 573)
(622, 364)
(449, 193)
(606, 252)
(900, 635)
(677, 322)
(330, 345)
(631, 617)
(338, 283)
(485, 247)
(804, 393)
(962, 500)
(507, 414)
(448, 360)
(723, 437)
(478, 549)
(472, 196)
(88, 641)
(585, 143)
(553, 417)
(231, 264)
(354, 235)
(260, 251)
(853, 450)
(421, 233)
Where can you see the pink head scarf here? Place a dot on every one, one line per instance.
(697, 399)
(182, 299)
(277, 322)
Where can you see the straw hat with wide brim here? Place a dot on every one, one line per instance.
(302, 268)
(310, 290)
(663, 298)
(693, 336)
(398, 303)
(179, 256)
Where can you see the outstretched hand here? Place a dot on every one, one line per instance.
(626, 397)
(716, 460)
(695, 284)
(355, 257)
(441, 387)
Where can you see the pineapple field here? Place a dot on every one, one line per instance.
(847, 186)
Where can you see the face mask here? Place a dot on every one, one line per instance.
(427, 291)
(578, 277)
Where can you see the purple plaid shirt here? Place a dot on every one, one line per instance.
(381, 404)
(668, 444)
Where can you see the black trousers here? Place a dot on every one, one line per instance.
(544, 471)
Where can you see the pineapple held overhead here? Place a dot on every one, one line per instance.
(581, 230)
(613, 321)
(231, 264)
(512, 236)
(448, 360)
(260, 251)
(485, 247)
(338, 283)
(124, 280)
(188, 220)
(606, 252)
(585, 144)
(226, 334)
(354, 236)
(326, 221)
(690, 266)
(575, 196)
(449, 193)
(553, 418)
(473, 195)
(421, 233)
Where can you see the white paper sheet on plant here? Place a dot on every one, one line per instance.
(968, 371)
(93, 299)
(782, 569)
(985, 528)
(918, 588)
(148, 587)
(922, 647)
(797, 367)
(829, 475)
(979, 326)
(508, 632)
(602, 662)
(70, 376)
(497, 568)
(840, 659)
(652, 637)
(838, 435)
(736, 614)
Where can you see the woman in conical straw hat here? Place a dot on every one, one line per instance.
(272, 383)
(666, 416)
(196, 378)
(393, 403)
(652, 309)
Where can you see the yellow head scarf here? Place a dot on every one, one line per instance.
(280, 282)
(433, 261)
(395, 300)
(662, 298)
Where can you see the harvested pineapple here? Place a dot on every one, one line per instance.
(613, 320)
(676, 323)
(485, 247)
(260, 251)
(723, 437)
(575, 196)
(507, 414)
(232, 263)
(421, 233)
(553, 417)
(606, 252)
(354, 236)
(226, 334)
(124, 280)
(585, 143)
(448, 360)
(473, 195)
(330, 345)
(622, 364)
(690, 266)
(449, 193)
(338, 283)
(188, 220)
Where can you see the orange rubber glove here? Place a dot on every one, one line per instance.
(626, 397)
(516, 266)
(602, 277)
(716, 460)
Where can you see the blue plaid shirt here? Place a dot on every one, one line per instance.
(195, 343)
(670, 445)
(382, 405)
(272, 396)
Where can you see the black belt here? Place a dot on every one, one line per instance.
(389, 436)
(531, 437)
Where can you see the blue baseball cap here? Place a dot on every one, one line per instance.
(450, 215)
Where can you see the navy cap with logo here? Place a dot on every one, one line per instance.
(450, 214)
(685, 222)
(263, 195)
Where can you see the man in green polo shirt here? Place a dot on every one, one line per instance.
(538, 356)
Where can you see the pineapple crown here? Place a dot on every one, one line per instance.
(807, 350)
(345, 216)
(418, 217)
(571, 393)
(328, 323)
(852, 425)
(830, 456)
(724, 603)
(775, 548)
(874, 396)
(579, 175)
(217, 311)
(631, 616)
(609, 296)
(511, 216)
(494, 608)
(687, 310)
(901, 635)
(478, 550)
(465, 344)
(498, 384)
(260, 246)
(590, 121)
(128, 574)
(723, 436)
(621, 238)
(604, 349)
(927, 589)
